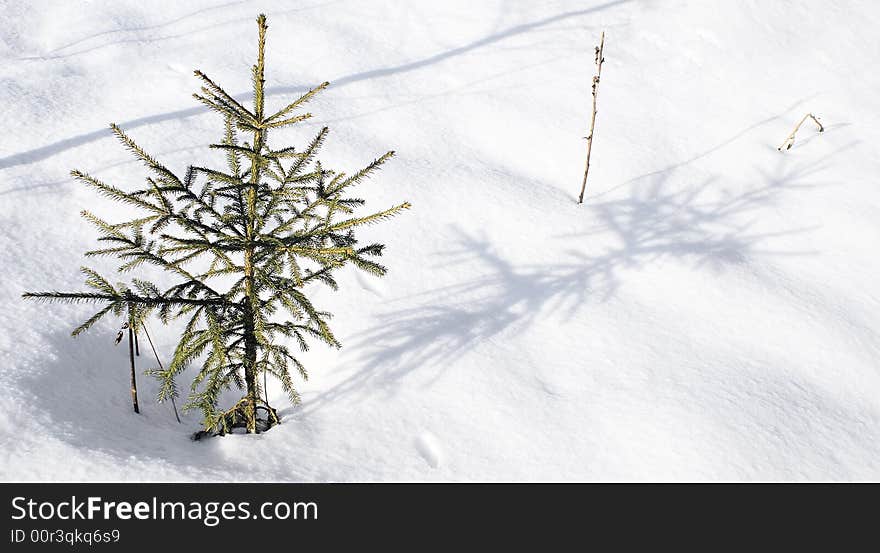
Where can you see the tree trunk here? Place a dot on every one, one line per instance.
(250, 299)
(250, 368)
(134, 389)
(250, 338)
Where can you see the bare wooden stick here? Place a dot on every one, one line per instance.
(599, 60)
(134, 389)
(789, 140)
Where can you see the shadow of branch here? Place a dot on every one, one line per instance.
(698, 226)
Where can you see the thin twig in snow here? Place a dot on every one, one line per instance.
(789, 141)
(599, 60)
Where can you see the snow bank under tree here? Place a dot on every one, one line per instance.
(710, 312)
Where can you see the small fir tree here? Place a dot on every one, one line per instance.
(243, 245)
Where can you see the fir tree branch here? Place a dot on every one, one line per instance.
(92, 297)
(362, 174)
(288, 121)
(144, 156)
(299, 101)
(370, 219)
(218, 91)
(114, 193)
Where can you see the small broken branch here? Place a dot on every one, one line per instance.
(599, 60)
(789, 141)
(161, 367)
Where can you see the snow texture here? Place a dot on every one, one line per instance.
(709, 313)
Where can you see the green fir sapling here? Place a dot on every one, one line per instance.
(243, 244)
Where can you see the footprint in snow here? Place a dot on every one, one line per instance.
(429, 448)
(180, 68)
(371, 285)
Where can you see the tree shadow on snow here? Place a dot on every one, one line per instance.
(43, 152)
(78, 388)
(77, 391)
(697, 226)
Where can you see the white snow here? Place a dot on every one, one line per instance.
(709, 313)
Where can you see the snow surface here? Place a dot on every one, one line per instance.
(710, 312)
